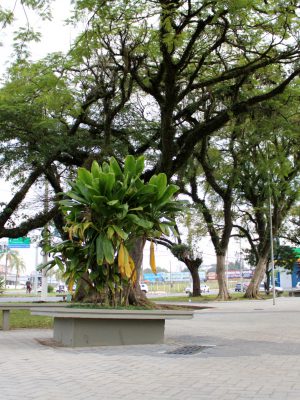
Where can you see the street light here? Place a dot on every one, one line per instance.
(271, 232)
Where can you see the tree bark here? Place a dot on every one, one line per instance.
(252, 291)
(136, 296)
(193, 267)
(223, 290)
(196, 282)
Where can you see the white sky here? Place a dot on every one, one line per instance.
(56, 36)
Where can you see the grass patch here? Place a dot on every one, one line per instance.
(208, 298)
(23, 319)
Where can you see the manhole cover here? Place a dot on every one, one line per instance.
(187, 350)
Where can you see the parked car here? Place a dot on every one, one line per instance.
(278, 289)
(204, 288)
(144, 287)
(238, 287)
(297, 285)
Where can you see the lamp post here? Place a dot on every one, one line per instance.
(271, 232)
(45, 239)
(272, 249)
(6, 265)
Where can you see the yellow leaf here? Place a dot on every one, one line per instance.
(126, 263)
(133, 276)
(121, 259)
(152, 258)
(70, 285)
(70, 234)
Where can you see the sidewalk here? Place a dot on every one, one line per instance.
(253, 353)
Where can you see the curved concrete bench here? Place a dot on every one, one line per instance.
(79, 327)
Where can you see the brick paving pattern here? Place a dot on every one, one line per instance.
(253, 352)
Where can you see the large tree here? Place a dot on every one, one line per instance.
(155, 78)
(269, 177)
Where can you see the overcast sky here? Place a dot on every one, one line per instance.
(56, 35)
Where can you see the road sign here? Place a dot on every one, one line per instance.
(19, 243)
(296, 251)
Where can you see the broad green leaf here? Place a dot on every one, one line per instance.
(110, 232)
(113, 202)
(153, 180)
(161, 182)
(96, 170)
(129, 167)
(106, 182)
(165, 229)
(167, 195)
(140, 222)
(139, 167)
(99, 250)
(76, 197)
(120, 232)
(115, 168)
(85, 176)
(108, 250)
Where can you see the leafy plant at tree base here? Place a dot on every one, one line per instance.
(106, 211)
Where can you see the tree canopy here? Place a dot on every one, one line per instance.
(164, 79)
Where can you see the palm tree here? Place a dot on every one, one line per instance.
(13, 261)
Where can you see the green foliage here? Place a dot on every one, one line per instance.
(50, 289)
(14, 260)
(106, 210)
(181, 251)
(285, 257)
(23, 319)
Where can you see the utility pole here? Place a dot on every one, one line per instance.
(6, 265)
(45, 239)
(271, 231)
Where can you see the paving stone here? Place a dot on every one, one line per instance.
(253, 350)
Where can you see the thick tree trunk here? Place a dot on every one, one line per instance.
(223, 290)
(136, 296)
(85, 292)
(252, 291)
(193, 267)
(196, 282)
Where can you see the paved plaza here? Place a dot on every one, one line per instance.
(251, 350)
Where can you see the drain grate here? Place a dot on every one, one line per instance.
(188, 350)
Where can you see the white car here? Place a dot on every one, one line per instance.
(297, 285)
(278, 289)
(204, 289)
(144, 287)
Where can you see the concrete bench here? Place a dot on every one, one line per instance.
(294, 292)
(6, 308)
(79, 327)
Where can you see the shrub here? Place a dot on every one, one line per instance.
(50, 289)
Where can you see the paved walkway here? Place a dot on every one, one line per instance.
(253, 353)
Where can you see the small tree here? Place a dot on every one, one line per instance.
(106, 211)
(13, 261)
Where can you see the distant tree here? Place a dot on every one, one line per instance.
(13, 261)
